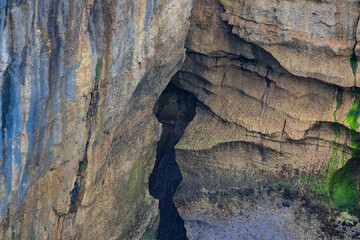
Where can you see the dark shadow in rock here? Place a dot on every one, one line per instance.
(175, 109)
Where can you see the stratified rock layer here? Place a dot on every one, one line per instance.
(272, 151)
(270, 129)
(309, 38)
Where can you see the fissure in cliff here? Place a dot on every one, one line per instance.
(175, 109)
(78, 190)
(5, 104)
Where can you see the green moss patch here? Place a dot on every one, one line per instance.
(150, 233)
(306, 184)
(342, 186)
(136, 177)
(352, 116)
(135, 203)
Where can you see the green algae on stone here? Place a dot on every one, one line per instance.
(334, 157)
(150, 233)
(84, 166)
(342, 183)
(309, 184)
(354, 63)
(335, 146)
(352, 116)
(136, 177)
(335, 152)
(315, 184)
(79, 180)
(342, 186)
(97, 69)
(136, 201)
(80, 172)
(355, 140)
(91, 32)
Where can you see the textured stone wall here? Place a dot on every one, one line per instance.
(78, 83)
(273, 142)
(276, 120)
(300, 33)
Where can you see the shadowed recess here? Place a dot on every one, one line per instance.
(175, 109)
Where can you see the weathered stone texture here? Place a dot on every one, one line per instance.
(274, 83)
(269, 123)
(79, 80)
(309, 38)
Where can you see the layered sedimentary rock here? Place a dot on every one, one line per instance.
(274, 123)
(301, 33)
(270, 151)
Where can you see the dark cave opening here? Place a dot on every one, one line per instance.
(174, 109)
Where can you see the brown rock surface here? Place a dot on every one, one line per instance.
(309, 38)
(79, 82)
(272, 151)
(266, 135)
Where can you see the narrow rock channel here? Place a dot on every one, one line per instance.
(175, 109)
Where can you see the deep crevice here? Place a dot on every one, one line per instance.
(79, 188)
(5, 107)
(175, 109)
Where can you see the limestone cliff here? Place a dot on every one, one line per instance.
(272, 152)
(258, 122)
(79, 80)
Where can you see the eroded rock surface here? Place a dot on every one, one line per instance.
(78, 83)
(309, 38)
(270, 131)
(272, 151)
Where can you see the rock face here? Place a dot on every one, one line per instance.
(79, 80)
(271, 150)
(174, 109)
(300, 33)
(274, 123)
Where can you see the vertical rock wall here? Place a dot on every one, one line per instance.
(272, 152)
(78, 84)
(274, 140)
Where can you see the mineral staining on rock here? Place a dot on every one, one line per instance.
(342, 184)
(270, 151)
(266, 125)
(354, 64)
(344, 187)
(78, 84)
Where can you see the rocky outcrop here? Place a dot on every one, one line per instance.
(312, 39)
(273, 125)
(271, 149)
(79, 80)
